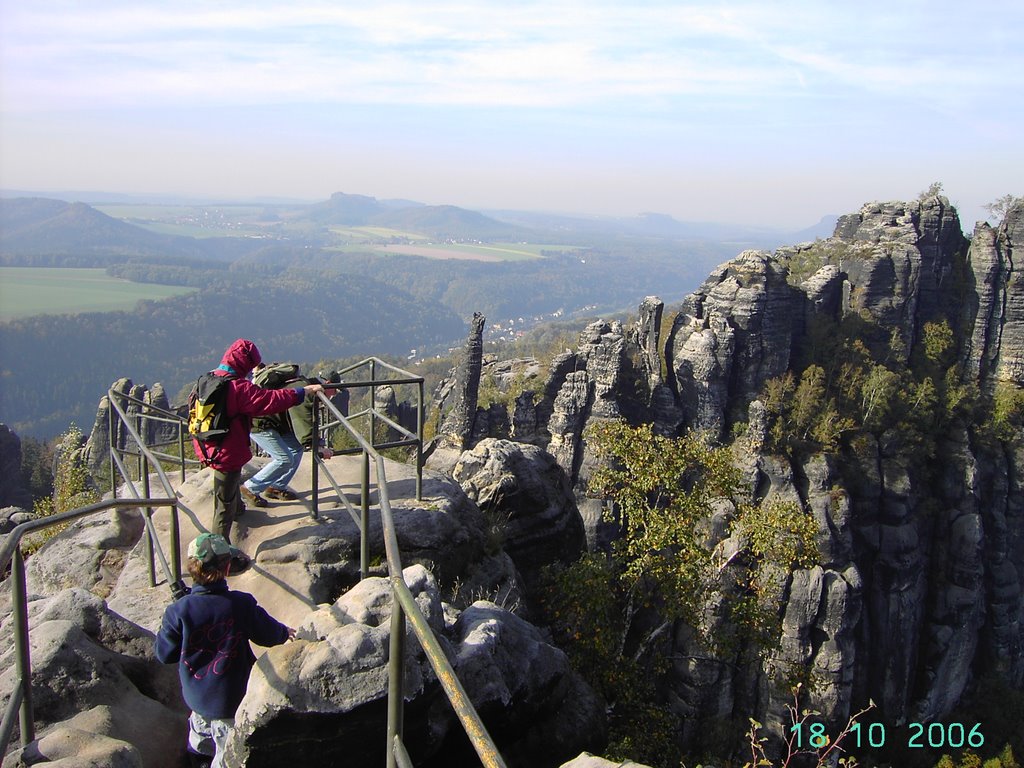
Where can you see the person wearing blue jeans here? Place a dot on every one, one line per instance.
(285, 454)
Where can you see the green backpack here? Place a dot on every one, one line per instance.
(275, 375)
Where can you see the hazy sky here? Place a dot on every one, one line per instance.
(753, 112)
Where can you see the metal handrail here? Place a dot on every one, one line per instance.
(146, 412)
(10, 554)
(147, 460)
(404, 603)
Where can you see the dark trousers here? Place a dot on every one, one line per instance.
(227, 503)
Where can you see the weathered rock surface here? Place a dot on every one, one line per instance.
(529, 499)
(143, 406)
(94, 672)
(995, 305)
(666, 415)
(100, 694)
(732, 335)
(457, 397)
(13, 516)
(12, 493)
(320, 700)
(587, 760)
(919, 591)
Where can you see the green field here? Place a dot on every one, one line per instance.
(474, 251)
(193, 221)
(368, 234)
(27, 291)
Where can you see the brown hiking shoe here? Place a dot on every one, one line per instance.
(254, 498)
(281, 493)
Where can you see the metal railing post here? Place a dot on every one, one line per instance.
(419, 443)
(373, 403)
(150, 551)
(111, 439)
(148, 512)
(396, 677)
(315, 456)
(364, 521)
(181, 448)
(23, 659)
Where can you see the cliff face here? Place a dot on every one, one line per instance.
(918, 592)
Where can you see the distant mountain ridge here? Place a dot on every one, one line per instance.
(352, 210)
(437, 220)
(41, 226)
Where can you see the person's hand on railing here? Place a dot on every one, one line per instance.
(312, 389)
(325, 452)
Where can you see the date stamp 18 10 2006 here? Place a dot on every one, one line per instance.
(876, 735)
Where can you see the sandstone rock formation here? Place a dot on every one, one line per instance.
(456, 401)
(98, 691)
(919, 589)
(12, 493)
(529, 500)
(101, 696)
(320, 701)
(135, 400)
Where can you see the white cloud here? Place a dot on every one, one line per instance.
(62, 55)
(596, 95)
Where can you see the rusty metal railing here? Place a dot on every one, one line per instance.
(126, 440)
(404, 606)
(121, 426)
(20, 703)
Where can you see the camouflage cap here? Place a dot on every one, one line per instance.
(208, 548)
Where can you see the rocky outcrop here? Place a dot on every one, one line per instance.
(529, 500)
(919, 588)
(12, 492)
(900, 260)
(994, 350)
(666, 415)
(455, 401)
(920, 582)
(568, 418)
(323, 695)
(736, 332)
(320, 701)
(96, 687)
(142, 406)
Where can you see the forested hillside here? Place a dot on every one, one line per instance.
(301, 285)
(56, 367)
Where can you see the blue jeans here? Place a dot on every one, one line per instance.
(285, 453)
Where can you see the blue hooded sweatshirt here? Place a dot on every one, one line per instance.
(207, 634)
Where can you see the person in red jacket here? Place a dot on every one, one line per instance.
(244, 402)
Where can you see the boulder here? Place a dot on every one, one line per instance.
(587, 760)
(93, 669)
(529, 500)
(322, 699)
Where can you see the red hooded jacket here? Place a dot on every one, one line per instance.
(245, 401)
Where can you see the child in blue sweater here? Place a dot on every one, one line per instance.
(207, 633)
